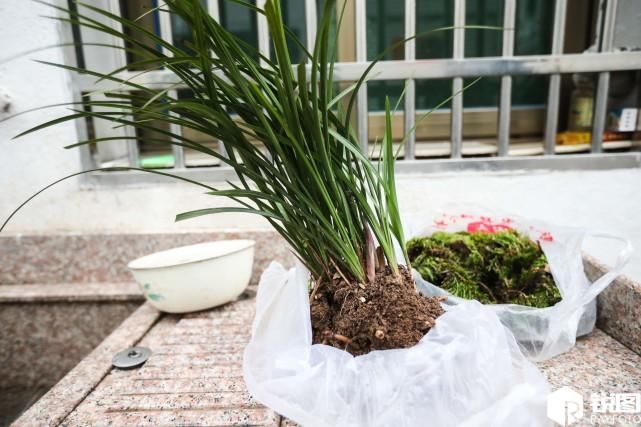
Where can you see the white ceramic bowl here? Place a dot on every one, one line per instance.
(195, 277)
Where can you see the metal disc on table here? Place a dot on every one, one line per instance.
(131, 357)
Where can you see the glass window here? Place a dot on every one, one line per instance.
(385, 22)
(154, 147)
(534, 20)
(239, 20)
(483, 42)
(430, 93)
(138, 10)
(431, 15)
(294, 18)
(385, 27)
(181, 32)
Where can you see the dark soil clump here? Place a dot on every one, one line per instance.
(385, 314)
(493, 268)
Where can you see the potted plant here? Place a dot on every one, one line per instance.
(338, 210)
(311, 182)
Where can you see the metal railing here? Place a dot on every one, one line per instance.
(410, 69)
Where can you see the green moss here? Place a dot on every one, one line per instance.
(493, 268)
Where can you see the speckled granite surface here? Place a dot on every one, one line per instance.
(60, 401)
(96, 258)
(194, 376)
(597, 364)
(618, 307)
(40, 343)
(15, 400)
(71, 292)
(47, 329)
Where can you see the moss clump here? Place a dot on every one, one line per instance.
(493, 268)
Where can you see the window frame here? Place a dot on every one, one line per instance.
(508, 119)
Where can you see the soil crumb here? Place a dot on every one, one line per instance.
(360, 317)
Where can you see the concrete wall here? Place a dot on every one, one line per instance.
(36, 160)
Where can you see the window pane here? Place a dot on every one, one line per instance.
(481, 100)
(194, 158)
(294, 18)
(484, 93)
(534, 20)
(529, 96)
(529, 90)
(533, 36)
(378, 90)
(181, 31)
(154, 147)
(430, 93)
(385, 26)
(239, 20)
(431, 15)
(133, 10)
(436, 125)
(483, 42)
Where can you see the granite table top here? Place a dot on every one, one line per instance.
(194, 376)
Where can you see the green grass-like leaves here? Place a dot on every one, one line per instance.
(311, 182)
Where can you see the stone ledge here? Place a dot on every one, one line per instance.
(194, 374)
(618, 307)
(597, 363)
(171, 389)
(61, 400)
(70, 292)
(103, 258)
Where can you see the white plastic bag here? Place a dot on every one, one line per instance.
(467, 370)
(541, 333)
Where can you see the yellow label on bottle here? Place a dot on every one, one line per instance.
(581, 112)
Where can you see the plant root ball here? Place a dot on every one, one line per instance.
(384, 314)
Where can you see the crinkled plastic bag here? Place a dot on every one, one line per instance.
(467, 371)
(542, 333)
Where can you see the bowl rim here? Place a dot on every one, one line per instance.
(131, 265)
